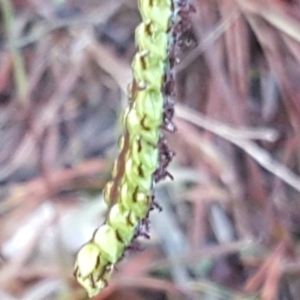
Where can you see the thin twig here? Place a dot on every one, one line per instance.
(260, 155)
(221, 129)
(19, 68)
(274, 16)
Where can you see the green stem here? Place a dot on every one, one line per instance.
(18, 64)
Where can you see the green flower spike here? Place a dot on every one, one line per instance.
(138, 177)
(137, 128)
(142, 153)
(129, 194)
(91, 273)
(148, 105)
(110, 244)
(147, 69)
(134, 200)
(147, 37)
(123, 221)
(157, 11)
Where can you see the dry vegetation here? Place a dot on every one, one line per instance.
(230, 224)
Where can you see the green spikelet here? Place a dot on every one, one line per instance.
(129, 193)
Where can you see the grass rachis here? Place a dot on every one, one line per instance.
(144, 154)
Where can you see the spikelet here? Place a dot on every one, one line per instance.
(144, 154)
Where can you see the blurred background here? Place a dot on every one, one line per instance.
(230, 221)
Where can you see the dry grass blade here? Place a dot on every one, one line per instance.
(271, 12)
(268, 275)
(258, 154)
